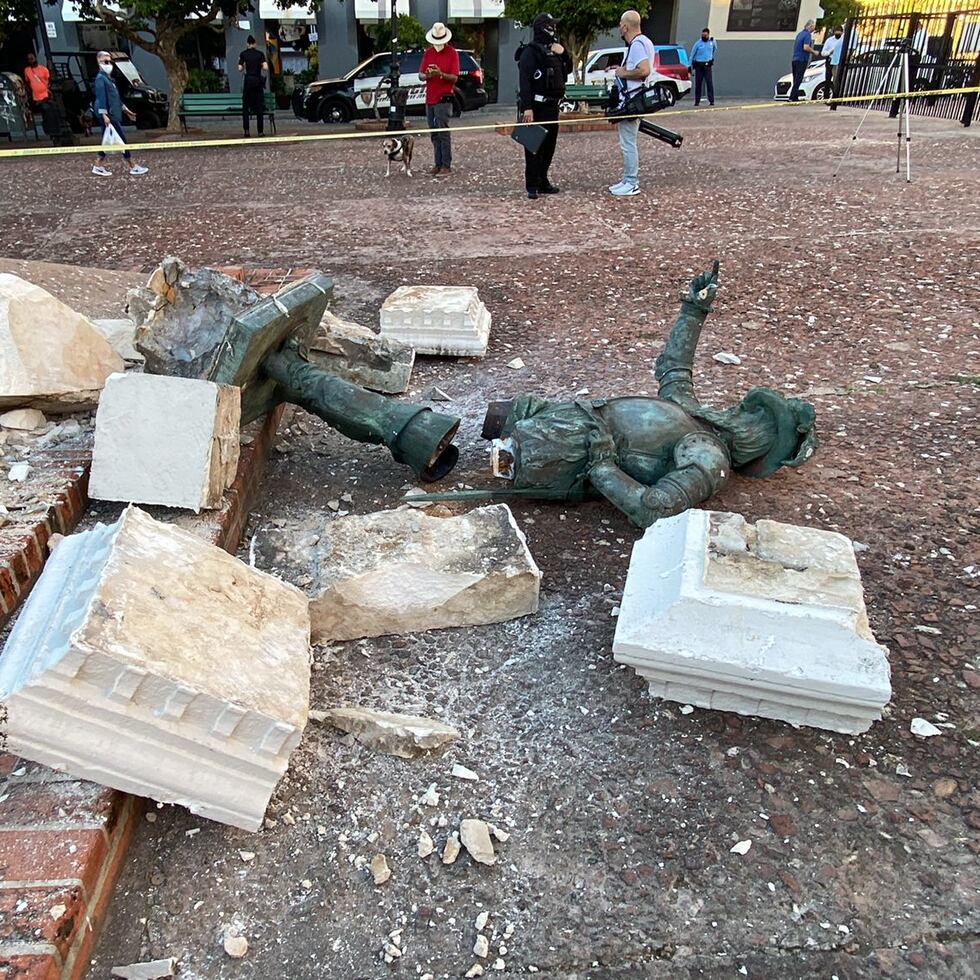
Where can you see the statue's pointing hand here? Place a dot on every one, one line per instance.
(701, 291)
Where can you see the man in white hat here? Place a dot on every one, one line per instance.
(439, 70)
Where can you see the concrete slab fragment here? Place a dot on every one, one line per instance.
(51, 357)
(448, 320)
(163, 440)
(401, 571)
(357, 354)
(151, 661)
(766, 619)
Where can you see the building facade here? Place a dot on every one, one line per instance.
(754, 36)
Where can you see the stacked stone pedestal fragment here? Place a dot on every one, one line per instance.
(151, 661)
(446, 320)
(765, 619)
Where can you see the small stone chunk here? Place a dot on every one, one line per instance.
(150, 970)
(481, 947)
(461, 772)
(405, 736)
(380, 869)
(475, 837)
(236, 946)
(451, 851)
(426, 845)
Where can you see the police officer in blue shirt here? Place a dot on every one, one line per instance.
(702, 58)
(802, 51)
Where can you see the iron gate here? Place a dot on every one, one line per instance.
(944, 48)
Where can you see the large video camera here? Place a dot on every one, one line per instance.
(643, 102)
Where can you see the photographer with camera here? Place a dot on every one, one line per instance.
(543, 66)
(631, 78)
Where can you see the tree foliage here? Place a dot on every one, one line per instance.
(579, 21)
(837, 11)
(157, 26)
(15, 15)
(411, 33)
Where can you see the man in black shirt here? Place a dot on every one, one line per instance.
(252, 62)
(543, 66)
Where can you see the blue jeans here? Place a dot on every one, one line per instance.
(799, 70)
(437, 116)
(628, 130)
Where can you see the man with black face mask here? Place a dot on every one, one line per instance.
(543, 66)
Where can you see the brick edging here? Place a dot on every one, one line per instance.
(63, 840)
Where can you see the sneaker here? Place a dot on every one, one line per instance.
(613, 187)
(136, 170)
(625, 190)
(101, 171)
(532, 194)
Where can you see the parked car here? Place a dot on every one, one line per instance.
(813, 86)
(77, 71)
(671, 69)
(356, 95)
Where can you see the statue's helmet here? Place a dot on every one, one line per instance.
(795, 439)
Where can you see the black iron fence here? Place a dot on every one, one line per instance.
(942, 46)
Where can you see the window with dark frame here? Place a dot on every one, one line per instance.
(763, 15)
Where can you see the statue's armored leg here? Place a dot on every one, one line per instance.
(415, 435)
(674, 367)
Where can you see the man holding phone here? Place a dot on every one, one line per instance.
(439, 70)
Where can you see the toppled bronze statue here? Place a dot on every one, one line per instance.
(651, 457)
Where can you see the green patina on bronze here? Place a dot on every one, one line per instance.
(263, 352)
(651, 457)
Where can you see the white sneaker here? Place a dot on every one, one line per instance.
(101, 171)
(612, 187)
(136, 170)
(625, 190)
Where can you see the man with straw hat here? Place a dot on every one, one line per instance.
(439, 70)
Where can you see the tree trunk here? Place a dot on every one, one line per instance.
(578, 48)
(176, 69)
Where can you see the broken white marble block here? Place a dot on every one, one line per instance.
(359, 355)
(151, 661)
(766, 619)
(50, 356)
(163, 440)
(449, 320)
(121, 336)
(400, 571)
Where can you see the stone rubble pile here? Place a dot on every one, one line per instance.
(765, 619)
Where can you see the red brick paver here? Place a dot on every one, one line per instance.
(62, 840)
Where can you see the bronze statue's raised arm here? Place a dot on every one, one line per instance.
(702, 468)
(674, 367)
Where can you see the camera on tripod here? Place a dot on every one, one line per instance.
(901, 44)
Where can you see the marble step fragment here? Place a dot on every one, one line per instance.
(446, 320)
(151, 661)
(765, 619)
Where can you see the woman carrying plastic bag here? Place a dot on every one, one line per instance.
(109, 111)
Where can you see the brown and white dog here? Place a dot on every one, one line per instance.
(398, 149)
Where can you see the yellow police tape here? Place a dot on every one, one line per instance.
(43, 151)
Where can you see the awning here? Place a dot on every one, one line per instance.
(475, 9)
(373, 9)
(270, 10)
(70, 14)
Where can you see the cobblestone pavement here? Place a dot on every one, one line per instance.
(858, 293)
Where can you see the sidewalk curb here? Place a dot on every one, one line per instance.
(62, 840)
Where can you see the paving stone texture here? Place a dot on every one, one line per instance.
(622, 811)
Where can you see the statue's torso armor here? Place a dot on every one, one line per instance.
(552, 439)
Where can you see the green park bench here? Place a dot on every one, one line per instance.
(587, 95)
(220, 104)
